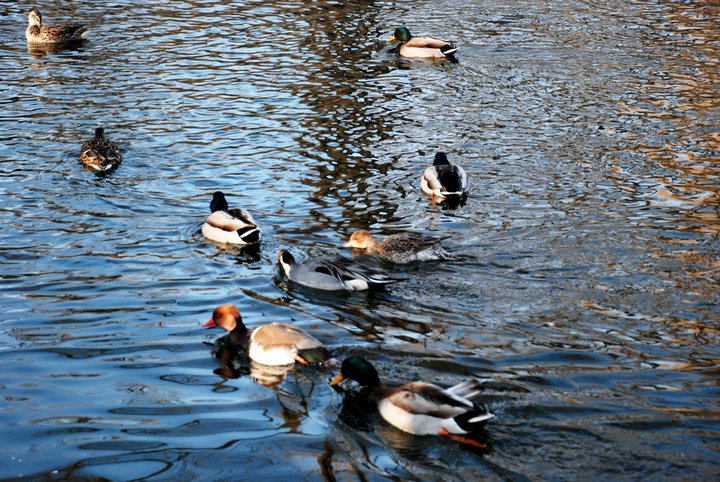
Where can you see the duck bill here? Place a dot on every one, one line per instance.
(209, 323)
(336, 380)
(346, 245)
(391, 38)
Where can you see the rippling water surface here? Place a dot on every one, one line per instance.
(586, 275)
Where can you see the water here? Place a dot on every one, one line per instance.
(586, 279)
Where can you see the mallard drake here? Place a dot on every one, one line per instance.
(420, 408)
(37, 33)
(273, 344)
(100, 153)
(332, 273)
(443, 179)
(422, 47)
(233, 226)
(399, 248)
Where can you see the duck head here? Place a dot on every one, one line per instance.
(218, 203)
(99, 133)
(360, 239)
(358, 369)
(401, 34)
(441, 159)
(35, 17)
(285, 261)
(226, 317)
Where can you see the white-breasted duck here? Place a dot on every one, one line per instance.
(232, 226)
(274, 344)
(422, 47)
(444, 179)
(420, 408)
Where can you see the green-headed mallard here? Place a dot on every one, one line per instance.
(399, 248)
(37, 33)
(420, 408)
(422, 47)
(332, 273)
(443, 179)
(273, 344)
(233, 226)
(100, 153)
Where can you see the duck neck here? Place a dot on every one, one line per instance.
(239, 335)
(219, 203)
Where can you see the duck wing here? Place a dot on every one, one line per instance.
(242, 215)
(284, 334)
(408, 242)
(94, 155)
(427, 42)
(427, 47)
(110, 151)
(431, 176)
(347, 270)
(54, 33)
(421, 398)
(452, 178)
(234, 220)
(282, 343)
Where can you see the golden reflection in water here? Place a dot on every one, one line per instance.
(679, 102)
(346, 125)
(687, 99)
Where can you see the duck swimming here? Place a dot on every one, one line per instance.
(273, 344)
(332, 273)
(37, 33)
(420, 408)
(100, 153)
(422, 47)
(444, 179)
(232, 226)
(399, 248)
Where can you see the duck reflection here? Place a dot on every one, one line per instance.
(449, 203)
(236, 363)
(357, 409)
(244, 254)
(40, 51)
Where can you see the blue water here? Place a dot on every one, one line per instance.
(586, 275)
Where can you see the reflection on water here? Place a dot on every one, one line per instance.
(586, 276)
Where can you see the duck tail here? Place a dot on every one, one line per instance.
(473, 419)
(315, 356)
(449, 50)
(380, 281)
(249, 234)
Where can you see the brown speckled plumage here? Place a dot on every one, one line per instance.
(399, 248)
(100, 153)
(37, 33)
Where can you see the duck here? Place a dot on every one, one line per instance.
(37, 33)
(274, 344)
(401, 248)
(444, 179)
(422, 47)
(332, 273)
(231, 226)
(420, 408)
(100, 153)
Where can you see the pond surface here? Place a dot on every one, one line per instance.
(586, 271)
